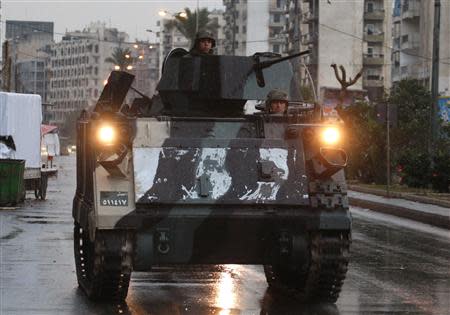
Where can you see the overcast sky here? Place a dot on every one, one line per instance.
(131, 16)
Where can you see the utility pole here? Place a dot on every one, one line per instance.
(233, 36)
(435, 76)
(196, 18)
(388, 150)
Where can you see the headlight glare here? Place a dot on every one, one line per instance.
(106, 135)
(330, 135)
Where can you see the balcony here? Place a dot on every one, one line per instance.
(309, 17)
(373, 59)
(411, 9)
(279, 23)
(410, 43)
(274, 9)
(378, 37)
(373, 81)
(307, 39)
(377, 15)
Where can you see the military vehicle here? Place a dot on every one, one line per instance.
(187, 177)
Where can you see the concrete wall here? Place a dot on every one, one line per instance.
(337, 47)
(258, 19)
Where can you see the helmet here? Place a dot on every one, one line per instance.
(204, 34)
(276, 95)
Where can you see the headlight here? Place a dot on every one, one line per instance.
(106, 135)
(330, 135)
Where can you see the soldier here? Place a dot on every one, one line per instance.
(277, 102)
(203, 44)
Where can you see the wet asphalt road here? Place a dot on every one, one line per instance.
(397, 267)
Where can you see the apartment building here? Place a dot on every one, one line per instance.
(254, 26)
(26, 52)
(170, 38)
(376, 78)
(78, 69)
(333, 32)
(145, 67)
(17, 29)
(413, 22)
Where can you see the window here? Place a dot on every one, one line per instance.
(276, 18)
(370, 29)
(370, 7)
(96, 49)
(276, 48)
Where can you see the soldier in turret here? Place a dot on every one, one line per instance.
(203, 44)
(277, 102)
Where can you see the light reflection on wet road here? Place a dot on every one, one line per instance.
(397, 267)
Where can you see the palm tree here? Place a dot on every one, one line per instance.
(188, 25)
(120, 57)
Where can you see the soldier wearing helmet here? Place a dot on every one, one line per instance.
(203, 44)
(277, 102)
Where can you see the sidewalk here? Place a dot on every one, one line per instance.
(423, 209)
(428, 199)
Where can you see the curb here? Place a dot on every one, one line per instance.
(424, 217)
(410, 197)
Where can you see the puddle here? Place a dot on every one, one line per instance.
(12, 234)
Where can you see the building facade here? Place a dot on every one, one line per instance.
(145, 68)
(15, 29)
(413, 25)
(377, 52)
(78, 69)
(254, 26)
(169, 38)
(26, 52)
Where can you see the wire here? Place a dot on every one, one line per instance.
(389, 47)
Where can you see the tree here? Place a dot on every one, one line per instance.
(411, 136)
(365, 143)
(188, 25)
(119, 58)
(413, 110)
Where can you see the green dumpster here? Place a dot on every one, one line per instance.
(11, 181)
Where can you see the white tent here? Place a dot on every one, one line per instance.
(21, 118)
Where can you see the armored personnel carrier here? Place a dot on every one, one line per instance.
(187, 177)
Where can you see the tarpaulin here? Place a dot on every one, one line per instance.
(47, 129)
(21, 117)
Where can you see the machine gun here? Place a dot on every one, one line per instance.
(260, 65)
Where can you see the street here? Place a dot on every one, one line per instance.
(396, 266)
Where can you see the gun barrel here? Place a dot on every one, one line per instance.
(268, 63)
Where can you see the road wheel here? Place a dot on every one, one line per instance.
(103, 265)
(323, 280)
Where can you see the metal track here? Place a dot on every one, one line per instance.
(326, 272)
(103, 266)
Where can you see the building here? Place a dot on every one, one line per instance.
(413, 25)
(26, 52)
(145, 68)
(25, 62)
(78, 69)
(17, 29)
(170, 38)
(217, 17)
(254, 26)
(377, 52)
(331, 40)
